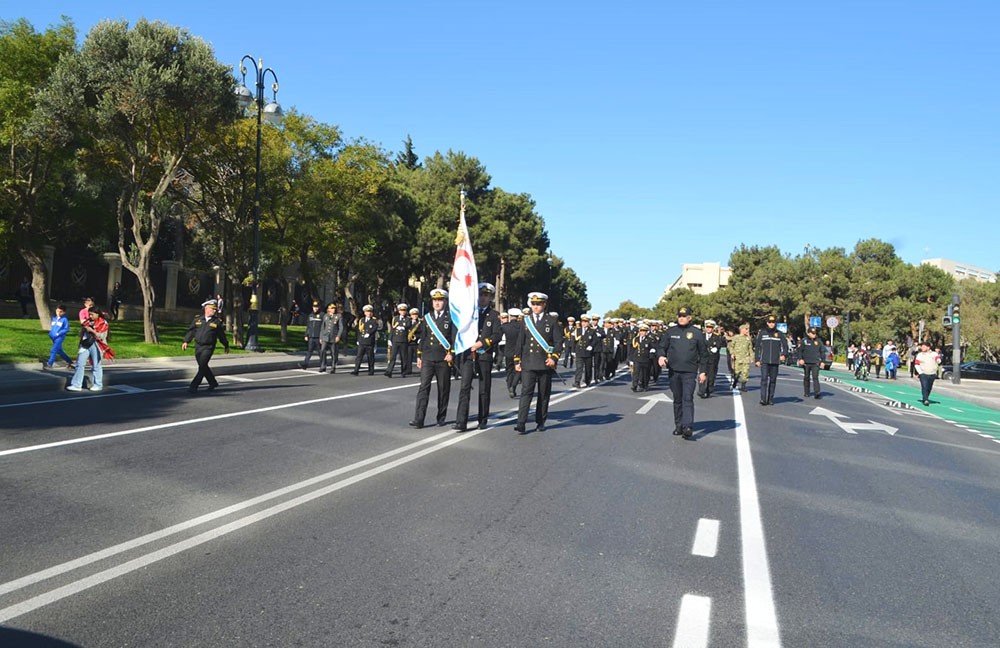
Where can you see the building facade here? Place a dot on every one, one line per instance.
(701, 278)
(962, 270)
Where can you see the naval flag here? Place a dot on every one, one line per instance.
(463, 289)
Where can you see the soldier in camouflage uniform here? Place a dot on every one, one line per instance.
(741, 350)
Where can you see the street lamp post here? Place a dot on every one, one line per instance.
(271, 112)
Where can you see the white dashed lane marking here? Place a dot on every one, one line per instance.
(692, 622)
(706, 538)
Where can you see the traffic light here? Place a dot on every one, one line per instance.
(955, 317)
(948, 319)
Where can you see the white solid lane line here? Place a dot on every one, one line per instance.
(761, 617)
(692, 622)
(706, 538)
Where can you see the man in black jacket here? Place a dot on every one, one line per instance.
(478, 359)
(330, 335)
(314, 325)
(810, 355)
(536, 360)
(205, 330)
(682, 352)
(771, 348)
(367, 333)
(512, 334)
(434, 357)
(715, 343)
(584, 341)
(399, 329)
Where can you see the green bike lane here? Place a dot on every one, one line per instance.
(905, 393)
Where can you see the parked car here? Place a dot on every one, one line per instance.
(976, 370)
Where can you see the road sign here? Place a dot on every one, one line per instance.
(832, 321)
(815, 321)
(783, 327)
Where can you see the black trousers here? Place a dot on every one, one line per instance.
(471, 364)
(328, 348)
(682, 387)
(926, 385)
(609, 365)
(530, 378)
(431, 370)
(598, 362)
(513, 378)
(640, 375)
(584, 372)
(202, 354)
(810, 373)
(366, 350)
(399, 350)
(768, 379)
(314, 346)
(707, 387)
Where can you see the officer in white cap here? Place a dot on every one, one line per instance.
(585, 342)
(368, 327)
(568, 350)
(205, 330)
(541, 342)
(478, 360)
(512, 334)
(434, 357)
(399, 329)
(715, 343)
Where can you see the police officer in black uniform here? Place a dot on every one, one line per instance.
(536, 361)
(684, 354)
(205, 330)
(585, 342)
(715, 343)
(434, 357)
(810, 355)
(772, 347)
(399, 330)
(314, 325)
(367, 333)
(478, 360)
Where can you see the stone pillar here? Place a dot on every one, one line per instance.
(114, 261)
(49, 253)
(170, 296)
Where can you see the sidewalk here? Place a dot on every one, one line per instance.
(984, 393)
(29, 377)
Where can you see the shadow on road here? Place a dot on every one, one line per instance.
(11, 638)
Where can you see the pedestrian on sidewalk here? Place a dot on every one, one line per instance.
(58, 330)
(927, 362)
(84, 315)
(25, 293)
(205, 330)
(94, 331)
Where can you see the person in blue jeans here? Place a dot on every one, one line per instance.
(58, 330)
(92, 331)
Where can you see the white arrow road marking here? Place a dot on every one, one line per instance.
(652, 401)
(851, 428)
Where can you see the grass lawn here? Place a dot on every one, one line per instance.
(22, 340)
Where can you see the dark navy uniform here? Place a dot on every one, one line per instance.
(479, 362)
(206, 332)
(810, 354)
(771, 347)
(314, 324)
(367, 334)
(715, 343)
(433, 358)
(686, 355)
(512, 332)
(330, 335)
(643, 351)
(399, 333)
(532, 359)
(584, 341)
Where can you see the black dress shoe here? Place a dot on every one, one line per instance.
(441, 421)
(677, 431)
(540, 427)
(459, 427)
(520, 429)
(817, 396)
(354, 373)
(687, 431)
(387, 375)
(763, 402)
(213, 387)
(416, 424)
(482, 425)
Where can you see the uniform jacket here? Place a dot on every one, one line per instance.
(314, 324)
(332, 328)
(532, 356)
(741, 349)
(430, 347)
(367, 331)
(715, 343)
(512, 333)
(584, 340)
(206, 331)
(771, 345)
(684, 348)
(399, 330)
(609, 341)
(811, 351)
(643, 349)
(490, 330)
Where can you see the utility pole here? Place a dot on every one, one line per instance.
(956, 340)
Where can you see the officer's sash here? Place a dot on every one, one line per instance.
(538, 336)
(432, 325)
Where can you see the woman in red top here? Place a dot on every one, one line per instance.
(93, 334)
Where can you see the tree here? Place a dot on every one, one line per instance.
(37, 167)
(407, 158)
(142, 98)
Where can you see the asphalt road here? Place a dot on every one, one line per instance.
(298, 509)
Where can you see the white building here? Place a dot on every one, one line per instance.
(701, 278)
(962, 270)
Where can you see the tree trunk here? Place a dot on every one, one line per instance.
(39, 283)
(148, 301)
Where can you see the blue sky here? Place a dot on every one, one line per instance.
(653, 134)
